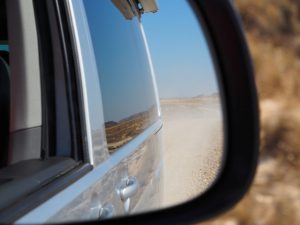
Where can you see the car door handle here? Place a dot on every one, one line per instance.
(129, 189)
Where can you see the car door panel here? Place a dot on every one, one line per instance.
(146, 165)
(87, 205)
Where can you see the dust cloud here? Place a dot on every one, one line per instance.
(193, 146)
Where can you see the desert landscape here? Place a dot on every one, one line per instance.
(192, 144)
(121, 132)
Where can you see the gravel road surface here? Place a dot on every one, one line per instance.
(193, 147)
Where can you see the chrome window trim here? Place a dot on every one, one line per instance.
(42, 214)
(90, 86)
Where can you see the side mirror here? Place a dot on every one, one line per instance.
(101, 77)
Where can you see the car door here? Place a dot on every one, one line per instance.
(119, 113)
(130, 102)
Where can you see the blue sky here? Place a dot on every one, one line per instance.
(179, 51)
(124, 73)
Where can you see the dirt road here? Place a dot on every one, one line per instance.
(192, 138)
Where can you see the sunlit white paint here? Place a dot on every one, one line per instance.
(151, 68)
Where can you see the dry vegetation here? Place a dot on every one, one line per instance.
(121, 132)
(273, 33)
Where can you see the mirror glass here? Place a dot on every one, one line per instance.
(189, 100)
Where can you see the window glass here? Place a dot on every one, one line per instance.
(124, 73)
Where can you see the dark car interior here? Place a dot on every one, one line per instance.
(4, 87)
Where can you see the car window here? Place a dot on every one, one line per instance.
(55, 97)
(128, 96)
(38, 122)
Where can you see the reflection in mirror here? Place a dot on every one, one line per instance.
(189, 99)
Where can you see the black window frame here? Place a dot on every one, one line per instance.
(54, 42)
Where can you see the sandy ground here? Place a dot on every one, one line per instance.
(193, 145)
